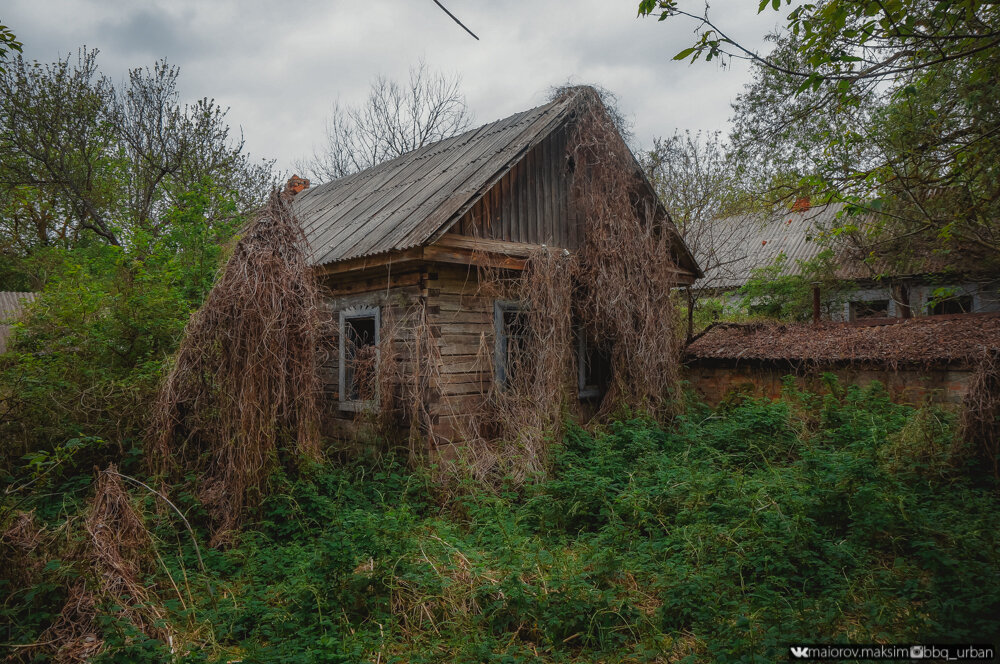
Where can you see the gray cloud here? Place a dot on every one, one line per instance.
(280, 67)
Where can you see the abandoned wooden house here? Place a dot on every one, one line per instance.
(410, 238)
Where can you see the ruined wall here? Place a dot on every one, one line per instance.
(910, 386)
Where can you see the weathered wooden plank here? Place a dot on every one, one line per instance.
(531, 182)
(462, 302)
(458, 404)
(450, 349)
(521, 249)
(369, 262)
(479, 387)
(374, 284)
(454, 329)
(476, 377)
(459, 364)
(464, 317)
(453, 427)
(468, 257)
(524, 217)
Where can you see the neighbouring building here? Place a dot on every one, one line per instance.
(918, 359)
(931, 284)
(409, 238)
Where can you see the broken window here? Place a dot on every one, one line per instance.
(511, 347)
(869, 309)
(959, 304)
(359, 338)
(593, 367)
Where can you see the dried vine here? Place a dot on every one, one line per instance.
(980, 424)
(625, 268)
(242, 393)
(615, 289)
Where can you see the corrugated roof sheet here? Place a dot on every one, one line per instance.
(759, 241)
(957, 339)
(402, 203)
(11, 304)
(743, 243)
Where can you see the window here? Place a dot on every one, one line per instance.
(959, 304)
(593, 368)
(869, 309)
(510, 350)
(359, 337)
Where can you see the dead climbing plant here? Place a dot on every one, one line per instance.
(615, 289)
(508, 437)
(980, 423)
(112, 553)
(242, 393)
(625, 268)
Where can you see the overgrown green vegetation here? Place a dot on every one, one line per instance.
(723, 538)
(88, 357)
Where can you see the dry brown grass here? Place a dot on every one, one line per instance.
(119, 549)
(114, 557)
(980, 424)
(242, 393)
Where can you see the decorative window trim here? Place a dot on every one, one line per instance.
(355, 405)
(500, 307)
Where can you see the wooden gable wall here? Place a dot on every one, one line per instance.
(530, 204)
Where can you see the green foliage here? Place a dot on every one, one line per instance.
(832, 517)
(86, 162)
(773, 293)
(8, 42)
(87, 359)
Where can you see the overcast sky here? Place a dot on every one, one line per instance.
(279, 66)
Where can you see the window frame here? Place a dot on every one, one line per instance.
(957, 299)
(500, 338)
(854, 305)
(584, 391)
(350, 313)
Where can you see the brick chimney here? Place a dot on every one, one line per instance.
(296, 185)
(800, 205)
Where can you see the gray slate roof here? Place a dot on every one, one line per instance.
(744, 243)
(11, 304)
(404, 202)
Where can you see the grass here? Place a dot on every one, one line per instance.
(722, 539)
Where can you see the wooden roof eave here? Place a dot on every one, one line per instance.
(436, 253)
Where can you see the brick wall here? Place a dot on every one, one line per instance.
(911, 386)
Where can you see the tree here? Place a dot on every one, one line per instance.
(699, 182)
(84, 161)
(8, 43)
(887, 106)
(851, 41)
(701, 187)
(395, 119)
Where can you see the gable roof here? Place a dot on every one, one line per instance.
(402, 203)
(747, 242)
(411, 200)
